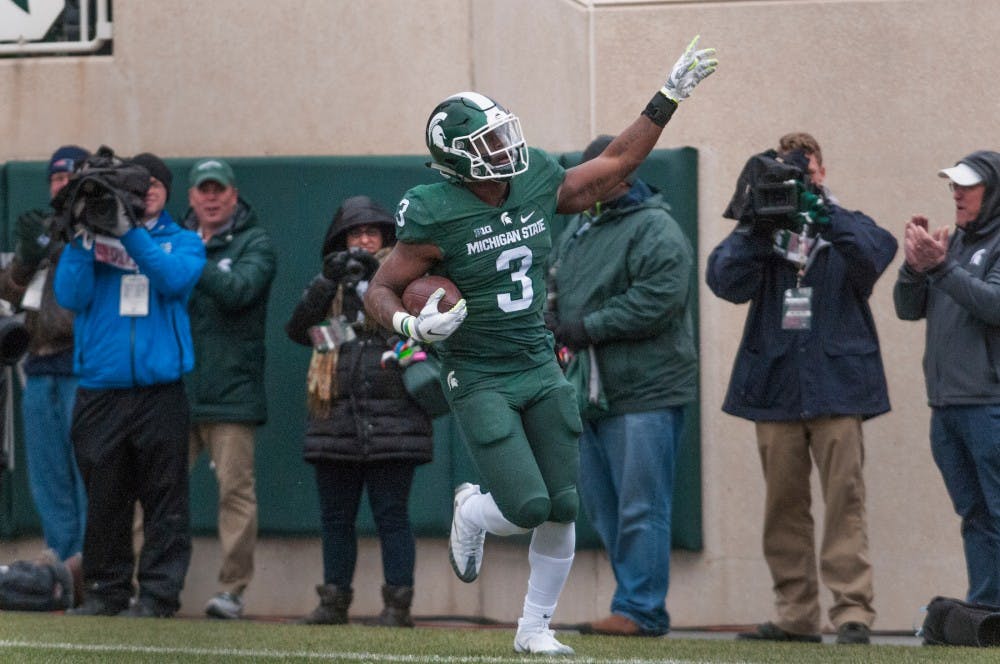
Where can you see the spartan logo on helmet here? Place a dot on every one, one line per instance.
(471, 137)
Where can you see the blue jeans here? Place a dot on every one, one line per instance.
(56, 487)
(965, 442)
(627, 485)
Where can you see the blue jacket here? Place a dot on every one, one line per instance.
(116, 351)
(833, 368)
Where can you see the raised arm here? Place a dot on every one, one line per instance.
(587, 183)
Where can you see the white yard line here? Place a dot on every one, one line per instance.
(332, 656)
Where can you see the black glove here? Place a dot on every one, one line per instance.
(31, 238)
(335, 265)
(573, 335)
(352, 266)
(551, 321)
(368, 265)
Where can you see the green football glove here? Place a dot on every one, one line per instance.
(813, 208)
(691, 69)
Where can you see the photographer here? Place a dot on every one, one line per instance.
(49, 383)
(807, 373)
(228, 312)
(127, 276)
(364, 430)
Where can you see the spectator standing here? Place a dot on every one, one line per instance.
(228, 312)
(50, 384)
(953, 281)
(131, 418)
(488, 229)
(808, 388)
(364, 431)
(620, 278)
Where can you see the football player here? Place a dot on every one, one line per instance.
(488, 229)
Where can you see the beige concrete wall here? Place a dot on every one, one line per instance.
(893, 89)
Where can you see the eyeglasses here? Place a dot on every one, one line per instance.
(963, 187)
(358, 231)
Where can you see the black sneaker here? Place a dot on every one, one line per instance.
(854, 633)
(770, 632)
(98, 606)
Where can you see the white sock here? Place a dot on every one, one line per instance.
(482, 511)
(548, 573)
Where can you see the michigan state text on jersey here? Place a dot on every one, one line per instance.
(496, 257)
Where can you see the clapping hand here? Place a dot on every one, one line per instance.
(924, 250)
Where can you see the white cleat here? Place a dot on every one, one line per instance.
(465, 550)
(538, 640)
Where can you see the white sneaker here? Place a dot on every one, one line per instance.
(536, 639)
(465, 550)
(228, 606)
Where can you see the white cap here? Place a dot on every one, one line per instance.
(961, 174)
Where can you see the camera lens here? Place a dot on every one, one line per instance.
(101, 209)
(354, 270)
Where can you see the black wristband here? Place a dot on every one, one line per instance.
(660, 109)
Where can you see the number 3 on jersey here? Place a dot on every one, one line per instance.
(520, 276)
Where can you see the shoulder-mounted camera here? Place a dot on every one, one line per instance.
(90, 199)
(768, 191)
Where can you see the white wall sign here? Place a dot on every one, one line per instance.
(28, 20)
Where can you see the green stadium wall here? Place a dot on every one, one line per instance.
(295, 197)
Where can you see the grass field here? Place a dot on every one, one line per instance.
(33, 637)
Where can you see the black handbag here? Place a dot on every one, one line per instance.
(952, 622)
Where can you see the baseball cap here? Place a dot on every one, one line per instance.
(215, 170)
(66, 159)
(961, 174)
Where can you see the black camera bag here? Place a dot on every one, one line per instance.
(952, 622)
(35, 586)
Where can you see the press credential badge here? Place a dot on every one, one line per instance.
(134, 295)
(32, 299)
(796, 309)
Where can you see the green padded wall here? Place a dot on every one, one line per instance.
(296, 197)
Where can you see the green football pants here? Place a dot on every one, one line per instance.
(522, 430)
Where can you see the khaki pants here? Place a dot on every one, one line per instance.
(231, 447)
(836, 446)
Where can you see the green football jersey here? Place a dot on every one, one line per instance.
(496, 256)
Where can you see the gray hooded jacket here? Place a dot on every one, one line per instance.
(961, 301)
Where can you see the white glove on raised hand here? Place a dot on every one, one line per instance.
(691, 69)
(431, 325)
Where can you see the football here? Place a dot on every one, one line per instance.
(416, 294)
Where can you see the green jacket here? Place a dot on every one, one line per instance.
(628, 275)
(228, 312)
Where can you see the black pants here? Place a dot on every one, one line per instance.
(340, 487)
(131, 445)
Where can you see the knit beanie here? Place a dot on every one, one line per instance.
(156, 168)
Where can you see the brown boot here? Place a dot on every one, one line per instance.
(397, 601)
(613, 625)
(332, 609)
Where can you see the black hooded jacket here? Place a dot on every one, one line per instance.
(960, 298)
(373, 418)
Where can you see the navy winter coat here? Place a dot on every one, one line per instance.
(834, 368)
